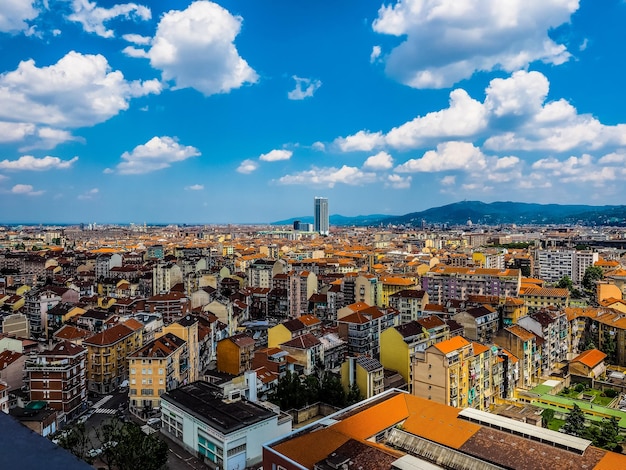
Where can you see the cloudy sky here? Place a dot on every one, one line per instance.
(243, 111)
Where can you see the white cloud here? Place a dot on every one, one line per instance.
(361, 141)
(583, 45)
(137, 39)
(319, 146)
(194, 49)
(30, 163)
(380, 161)
(78, 91)
(398, 182)
(329, 177)
(276, 155)
(449, 180)
(194, 187)
(375, 55)
(14, 15)
(465, 117)
(447, 41)
(448, 156)
(247, 166)
(135, 52)
(305, 88)
(523, 93)
(15, 131)
(89, 194)
(156, 154)
(93, 18)
(26, 189)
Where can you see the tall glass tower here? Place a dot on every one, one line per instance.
(320, 211)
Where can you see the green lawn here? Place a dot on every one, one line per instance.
(556, 424)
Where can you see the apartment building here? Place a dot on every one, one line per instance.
(479, 323)
(522, 344)
(410, 303)
(552, 326)
(362, 329)
(535, 297)
(234, 354)
(107, 351)
(58, 377)
(366, 373)
(389, 285)
(552, 265)
(443, 283)
(400, 344)
(157, 367)
(289, 329)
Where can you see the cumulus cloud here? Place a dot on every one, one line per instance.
(446, 41)
(194, 48)
(15, 131)
(156, 154)
(30, 163)
(329, 177)
(398, 182)
(448, 156)
(319, 146)
(194, 187)
(25, 189)
(276, 155)
(15, 14)
(375, 54)
(93, 18)
(449, 180)
(514, 116)
(465, 117)
(305, 88)
(79, 90)
(247, 166)
(380, 161)
(365, 141)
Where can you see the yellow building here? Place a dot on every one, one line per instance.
(289, 329)
(441, 374)
(389, 285)
(367, 373)
(400, 344)
(541, 297)
(107, 352)
(187, 329)
(234, 354)
(159, 366)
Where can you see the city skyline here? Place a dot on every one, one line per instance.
(241, 112)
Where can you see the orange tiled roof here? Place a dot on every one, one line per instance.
(590, 358)
(452, 344)
(520, 332)
(479, 348)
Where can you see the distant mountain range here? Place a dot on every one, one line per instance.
(495, 213)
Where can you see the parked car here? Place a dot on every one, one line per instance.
(154, 422)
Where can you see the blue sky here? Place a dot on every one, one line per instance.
(243, 111)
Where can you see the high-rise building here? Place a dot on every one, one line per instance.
(321, 215)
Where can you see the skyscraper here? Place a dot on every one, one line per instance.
(320, 211)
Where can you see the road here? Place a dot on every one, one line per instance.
(106, 407)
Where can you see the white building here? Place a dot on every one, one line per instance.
(552, 265)
(226, 433)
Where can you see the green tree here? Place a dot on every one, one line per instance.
(592, 275)
(575, 422)
(565, 283)
(354, 395)
(136, 449)
(331, 390)
(77, 441)
(546, 416)
(609, 436)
